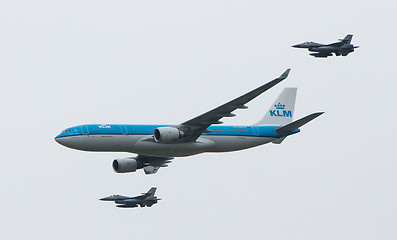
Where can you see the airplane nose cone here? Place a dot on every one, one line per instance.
(64, 141)
(59, 140)
(297, 46)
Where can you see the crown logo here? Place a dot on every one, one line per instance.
(279, 106)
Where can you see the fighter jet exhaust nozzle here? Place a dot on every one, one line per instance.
(125, 165)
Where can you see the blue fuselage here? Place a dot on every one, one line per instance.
(137, 139)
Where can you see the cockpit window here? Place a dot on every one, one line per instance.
(66, 131)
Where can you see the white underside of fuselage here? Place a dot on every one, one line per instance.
(140, 144)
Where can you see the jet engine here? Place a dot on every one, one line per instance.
(124, 165)
(167, 134)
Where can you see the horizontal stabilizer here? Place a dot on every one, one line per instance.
(297, 124)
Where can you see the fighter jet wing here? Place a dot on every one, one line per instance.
(198, 125)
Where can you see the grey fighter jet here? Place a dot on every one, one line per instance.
(146, 199)
(343, 47)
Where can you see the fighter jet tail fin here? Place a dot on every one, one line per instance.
(347, 39)
(282, 110)
(151, 192)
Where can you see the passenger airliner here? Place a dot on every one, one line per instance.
(157, 145)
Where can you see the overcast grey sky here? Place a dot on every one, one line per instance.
(164, 62)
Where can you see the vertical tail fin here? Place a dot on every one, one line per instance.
(347, 39)
(151, 192)
(282, 110)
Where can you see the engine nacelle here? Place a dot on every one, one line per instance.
(167, 134)
(124, 165)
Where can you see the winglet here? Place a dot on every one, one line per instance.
(285, 74)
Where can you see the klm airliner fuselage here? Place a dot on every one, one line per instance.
(139, 139)
(156, 145)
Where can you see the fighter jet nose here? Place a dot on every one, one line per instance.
(110, 198)
(106, 199)
(296, 45)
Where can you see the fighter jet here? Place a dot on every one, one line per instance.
(147, 199)
(343, 47)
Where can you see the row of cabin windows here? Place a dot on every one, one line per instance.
(140, 129)
(111, 129)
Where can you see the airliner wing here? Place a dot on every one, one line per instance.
(196, 126)
(152, 164)
(151, 169)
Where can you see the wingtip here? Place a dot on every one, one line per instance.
(317, 114)
(285, 74)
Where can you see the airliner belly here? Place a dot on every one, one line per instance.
(102, 143)
(236, 143)
(151, 148)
